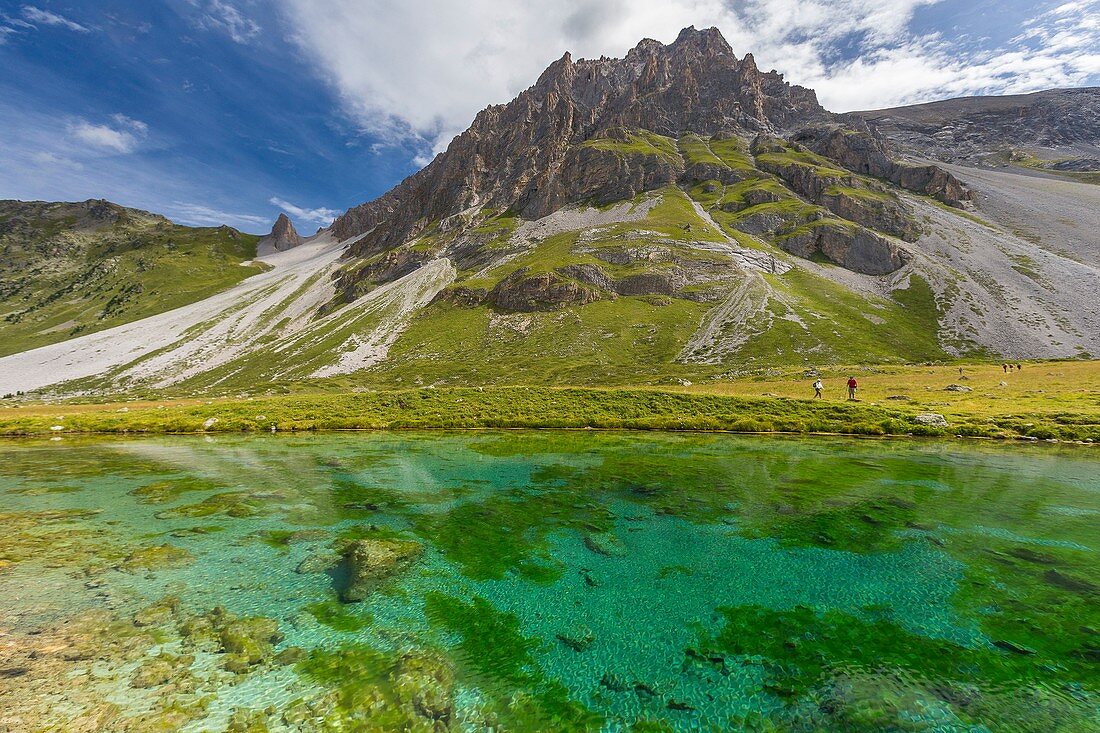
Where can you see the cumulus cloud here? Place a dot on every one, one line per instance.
(46, 17)
(421, 71)
(321, 216)
(121, 135)
(224, 16)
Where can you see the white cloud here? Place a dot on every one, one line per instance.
(201, 215)
(321, 216)
(122, 136)
(46, 17)
(223, 15)
(47, 159)
(421, 71)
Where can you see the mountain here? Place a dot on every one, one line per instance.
(674, 215)
(283, 236)
(73, 268)
(1059, 125)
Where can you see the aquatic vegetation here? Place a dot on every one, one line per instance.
(339, 616)
(552, 581)
(493, 652)
(506, 529)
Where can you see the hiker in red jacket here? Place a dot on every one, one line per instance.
(852, 389)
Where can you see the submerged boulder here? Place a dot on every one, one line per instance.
(371, 561)
(424, 683)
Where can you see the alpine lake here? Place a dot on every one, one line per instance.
(543, 581)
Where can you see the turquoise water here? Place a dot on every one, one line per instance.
(557, 581)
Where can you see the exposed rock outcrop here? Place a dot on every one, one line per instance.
(283, 236)
(541, 291)
(861, 151)
(853, 247)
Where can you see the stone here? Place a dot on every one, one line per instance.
(424, 683)
(957, 388)
(577, 638)
(931, 419)
(371, 561)
(159, 670)
(158, 613)
(1012, 647)
(156, 557)
(605, 544)
(318, 562)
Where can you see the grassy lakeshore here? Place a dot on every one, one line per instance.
(1046, 400)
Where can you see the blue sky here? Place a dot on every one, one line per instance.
(229, 111)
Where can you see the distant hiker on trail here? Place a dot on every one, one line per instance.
(1005, 367)
(852, 389)
(960, 371)
(1019, 367)
(818, 386)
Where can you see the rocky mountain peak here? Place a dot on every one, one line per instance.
(283, 236)
(524, 155)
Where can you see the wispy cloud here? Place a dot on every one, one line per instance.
(123, 135)
(321, 216)
(47, 17)
(224, 16)
(202, 215)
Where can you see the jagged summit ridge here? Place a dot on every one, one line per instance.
(524, 154)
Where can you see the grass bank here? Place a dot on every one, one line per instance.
(1052, 400)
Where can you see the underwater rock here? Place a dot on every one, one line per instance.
(605, 544)
(1010, 646)
(251, 638)
(246, 642)
(370, 561)
(317, 562)
(614, 682)
(158, 613)
(1068, 582)
(156, 557)
(290, 655)
(1026, 553)
(578, 638)
(424, 683)
(160, 670)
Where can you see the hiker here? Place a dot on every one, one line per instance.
(1019, 367)
(818, 386)
(852, 389)
(1005, 367)
(960, 372)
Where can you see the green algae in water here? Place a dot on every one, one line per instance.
(579, 581)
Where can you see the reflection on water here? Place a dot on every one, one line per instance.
(547, 581)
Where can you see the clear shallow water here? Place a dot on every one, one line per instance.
(564, 581)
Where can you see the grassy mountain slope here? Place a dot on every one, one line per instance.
(69, 269)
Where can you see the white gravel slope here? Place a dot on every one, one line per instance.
(196, 336)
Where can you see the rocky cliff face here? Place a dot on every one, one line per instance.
(283, 236)
(576, 135)
(525, 154)
(981, 129)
